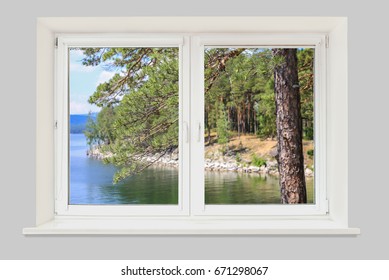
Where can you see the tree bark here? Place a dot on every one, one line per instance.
(289, 127)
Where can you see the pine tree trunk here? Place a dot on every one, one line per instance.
(289, 128)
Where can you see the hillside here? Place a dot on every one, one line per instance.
(249, 150)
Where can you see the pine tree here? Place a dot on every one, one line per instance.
(144, 97)
(289, 127)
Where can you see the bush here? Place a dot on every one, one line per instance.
(238, 158)
(310, 153)
(308, 133)
(222, 129)
(257, 161)
(223, 149)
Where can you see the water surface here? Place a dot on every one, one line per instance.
(91, 183)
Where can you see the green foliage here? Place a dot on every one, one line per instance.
(265, 110)
(257, 161)
(308, 132)
(91, 132)
(305, 58)
(238, 158)
(139, 115)
(310, 153)
(222, 128)
(246, 91)
(101, 131)
(245, 88)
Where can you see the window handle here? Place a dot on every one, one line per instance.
(186, 132)
(199, 133)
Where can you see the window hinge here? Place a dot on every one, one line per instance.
(327, 41)
(56, 42)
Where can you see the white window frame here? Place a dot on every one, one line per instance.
(316, 41)
(63, 43)
(335, 143)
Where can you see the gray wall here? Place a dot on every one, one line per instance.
(368, 107)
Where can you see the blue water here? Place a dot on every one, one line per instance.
(91, 181)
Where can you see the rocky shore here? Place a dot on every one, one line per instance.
(219, 163)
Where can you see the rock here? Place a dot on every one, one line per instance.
(273, 172)
(272, 164)
(273, 152)
(254, 168)
(308, 172)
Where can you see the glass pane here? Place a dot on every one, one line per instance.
(259, 105)
(123, 116)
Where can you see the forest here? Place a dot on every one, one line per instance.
(245, 94)
(242, 99)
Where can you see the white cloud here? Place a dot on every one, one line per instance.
(105, 76)
(82, 108)
(76, 57)
(78, 67)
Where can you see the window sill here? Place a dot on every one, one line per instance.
(182, 226)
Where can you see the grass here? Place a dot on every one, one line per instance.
(257, 161)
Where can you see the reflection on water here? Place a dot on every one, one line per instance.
(238, 188)
(91, 183)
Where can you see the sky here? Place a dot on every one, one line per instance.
(83, 82)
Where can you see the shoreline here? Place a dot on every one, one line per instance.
(220, 164)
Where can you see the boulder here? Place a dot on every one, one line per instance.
(308, 172)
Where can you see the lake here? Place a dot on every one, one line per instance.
(91, 183)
